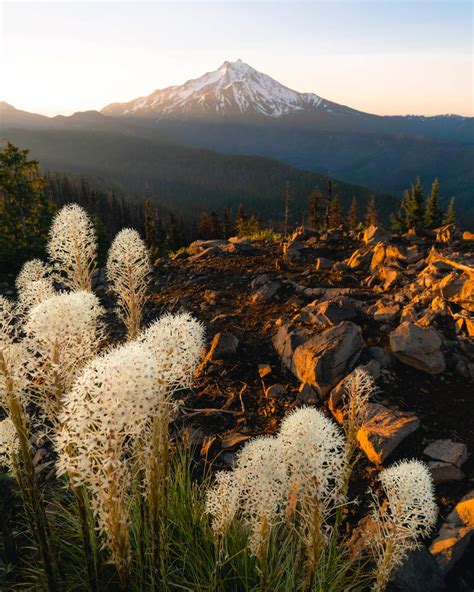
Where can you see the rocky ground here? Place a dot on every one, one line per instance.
(286, 323)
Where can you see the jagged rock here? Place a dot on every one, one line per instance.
(374, 234)
(447, 233)
(266, 292)
(209, 252)
(303, 233)
(275, 390)
(321, 263)
(324, 359)
(443, 472)
(360, 259)
(468, 236)
(465, 368)
(308, 395)
(383, 430)
(447, 451)
(408, 314)
(417, 347)
(418, 573)
(291, 251)
(223, 346)
(387, 314)
(329, 312)
(455, 534)
(287, 339)
(199, 246)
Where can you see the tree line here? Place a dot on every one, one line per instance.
(28, 201)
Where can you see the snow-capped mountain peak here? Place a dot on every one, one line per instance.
(233, 89)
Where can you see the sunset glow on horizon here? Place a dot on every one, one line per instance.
(385, 58)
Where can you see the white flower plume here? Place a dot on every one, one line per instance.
(128, 270)
(177, 342)
(72, 247)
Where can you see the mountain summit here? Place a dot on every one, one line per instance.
(232, 90)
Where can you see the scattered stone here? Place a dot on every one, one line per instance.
(321, 263)
(383, 430)
(374, 234)
(468, 236)
(446, 234)
(387, 314)
(274, 391)
(264, 370)
(266, 292)
(223, 346)
(447, 451)
(308, 395)
(417, 347)
(455, 534)
(360, 259)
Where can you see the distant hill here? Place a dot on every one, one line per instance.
(187, 179)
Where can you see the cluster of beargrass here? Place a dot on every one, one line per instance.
(97, 494)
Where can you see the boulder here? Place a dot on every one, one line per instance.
(324, 359)
(287, 339)
(455, 534)
(447, 451)
(303, 233)
(419, 572)
(383, 357)
(417, 347)
(375, 234)
(443, 472)
(468, 236)
(198, 246)
(329, 312)
(383, 430)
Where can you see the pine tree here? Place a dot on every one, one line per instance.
(353, 214)
(336, 216)
(204, 226)
(433, 215)
(172, 241)
(286, 210)
(315, 202)
(215, 229)
(26, 209)
(450, 217)
(414, 206)
(227, 226)
(151, 233)
(328, 203)
(371, 215)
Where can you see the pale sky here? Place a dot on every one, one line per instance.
(381, 57)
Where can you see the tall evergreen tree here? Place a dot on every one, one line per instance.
(151, 232)
(371, 215)
(398, 219)
(328, 203)
(172, 241)
(414, 207)
(215, 229)
(336, 216)
(450, 217)
(315, 204)
(204, 225)
(227, 226)
(26, 209)
(353, 214)
(433, 214)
